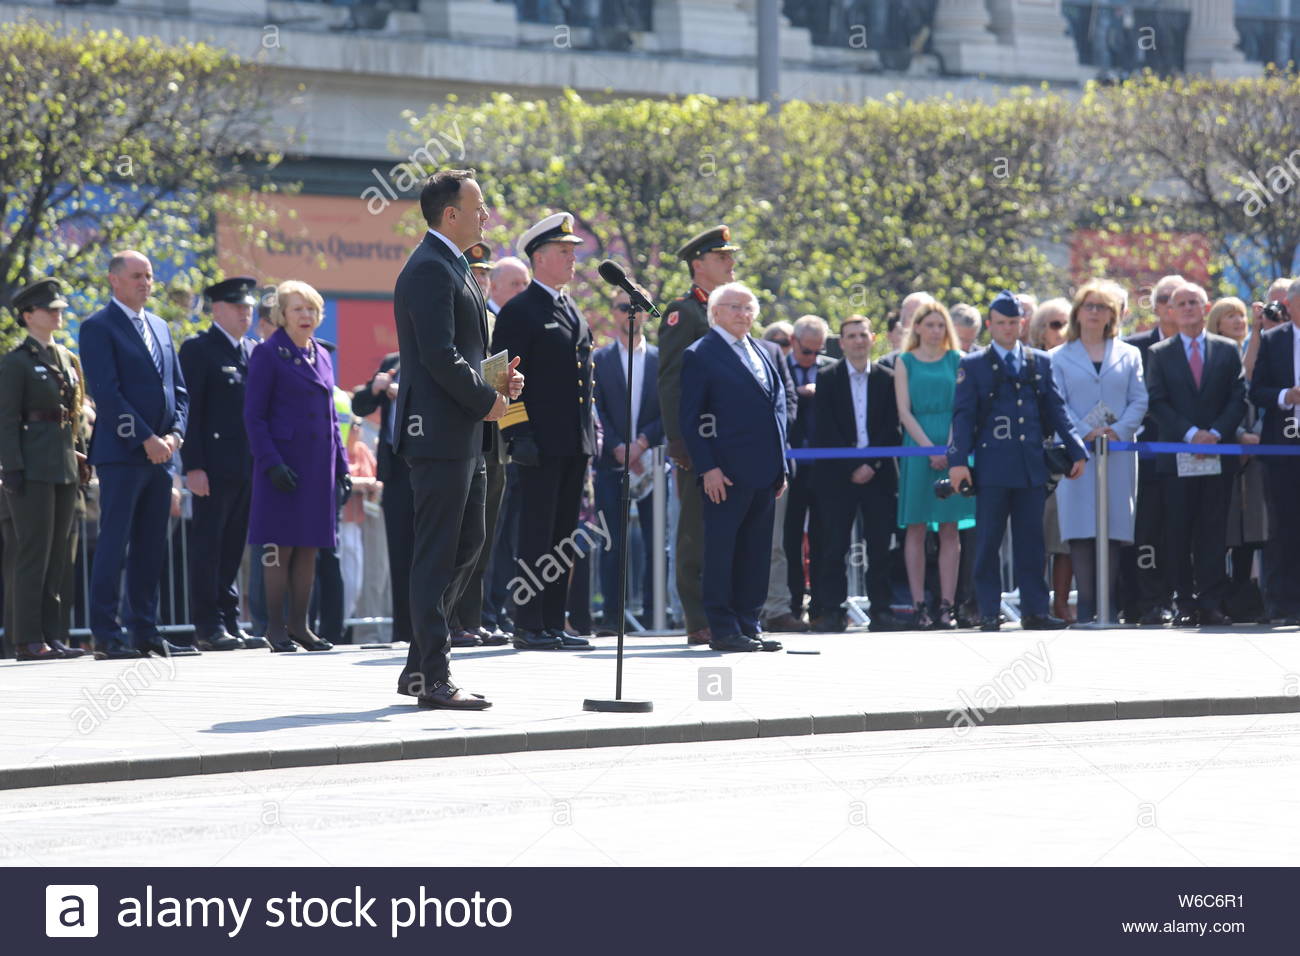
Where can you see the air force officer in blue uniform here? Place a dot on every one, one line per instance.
(732, 418)
(1006, 403)
(141, 408)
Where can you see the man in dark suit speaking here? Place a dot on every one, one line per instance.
(732, 418)
(442, 336)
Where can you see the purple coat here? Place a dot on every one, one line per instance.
(291, 419)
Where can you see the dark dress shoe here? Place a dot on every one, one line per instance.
(66, 652)
(39, 651)
(886, 621)
(570, 641)
(281, 644)
(702, 636)
(764, 645)
(492, 638)
(827, 624)
(444, 696)
(735, 643)
(218, 640)
(311, 642)
(991, 623)
(165, 648)
(1190, 618)
(1214, 618)
(785, 624)
(234, 630)
(115, 652)
(252, 641)
(536, 641)
(1042, 622)
(464, 638)
(1153, 617)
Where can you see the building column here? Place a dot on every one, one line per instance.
(1036, 32)
(471, 20)
(1212, 41)
(962, 37)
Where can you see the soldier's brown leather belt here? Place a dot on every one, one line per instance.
(47, 415)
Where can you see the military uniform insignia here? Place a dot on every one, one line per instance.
(566, 225)
(672, 318)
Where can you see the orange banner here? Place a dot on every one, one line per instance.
(334, 243)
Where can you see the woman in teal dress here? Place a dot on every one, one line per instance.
(925, 380)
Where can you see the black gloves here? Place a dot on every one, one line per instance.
(345, 487)
(283, 478)
(523, 451)
(15, 482)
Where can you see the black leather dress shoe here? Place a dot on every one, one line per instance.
(463, 638)
(1214, 618)
(239, 634)
(1153, 617)
(569, 641)
(281, 644)
(1190, 618)
(991, 623)
(445, 696)
(734, 643)
(218, 640)
(492, 638)
(252, 641)
(536, 641)
(39, 651)
(165, 648)
(66, 652)
(1042, 622)
(115, 652)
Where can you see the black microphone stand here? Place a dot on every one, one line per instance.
(618, 704)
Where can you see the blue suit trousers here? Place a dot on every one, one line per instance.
(1024, 506)
(135, 507)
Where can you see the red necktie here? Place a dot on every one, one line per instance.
(1195, 362)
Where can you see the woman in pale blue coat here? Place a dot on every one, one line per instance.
(1100, 378)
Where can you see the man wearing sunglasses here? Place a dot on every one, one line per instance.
(1150, 604)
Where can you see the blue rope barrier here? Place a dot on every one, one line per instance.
(1142, 447)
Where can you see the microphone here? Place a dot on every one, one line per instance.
(613, 273)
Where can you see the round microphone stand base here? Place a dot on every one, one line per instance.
(619, 706)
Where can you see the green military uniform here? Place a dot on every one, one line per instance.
(686, 320)
(41, 395)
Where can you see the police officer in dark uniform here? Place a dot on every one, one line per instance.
(550, 429)
(42, 454)
(1006, 404)
(218, 465)
(709, 257)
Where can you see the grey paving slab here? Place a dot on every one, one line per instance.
(85, 721)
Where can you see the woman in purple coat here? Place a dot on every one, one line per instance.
(299, 465)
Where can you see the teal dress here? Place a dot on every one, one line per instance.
(930, 388)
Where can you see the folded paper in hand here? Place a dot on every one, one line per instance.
(495, 370)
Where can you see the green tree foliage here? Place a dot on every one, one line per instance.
(108, 142)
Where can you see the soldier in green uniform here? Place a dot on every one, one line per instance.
(709, 257)
(42, 455)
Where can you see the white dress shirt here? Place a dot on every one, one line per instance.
(745, 349)
(637, 383)
(1006, 354)
(141, 326)
(1201, 341)
(448, 243)
(1295, 367)
(858, 387)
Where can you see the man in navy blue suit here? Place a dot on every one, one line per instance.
(1006, 404)
(732, 418)
(623, 446)
(142, 408)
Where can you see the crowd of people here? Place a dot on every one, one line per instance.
(501, 482)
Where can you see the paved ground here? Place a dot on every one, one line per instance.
(1214, 791)
(80, 721)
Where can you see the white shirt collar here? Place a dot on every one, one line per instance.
(866, 369)
(1016, 351)
(130, 312)
(1187, 340)
(726, 336)
(638, 350)
(229, 338)
(447, 242)
(555, 293)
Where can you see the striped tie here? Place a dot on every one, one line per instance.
(154, 352)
